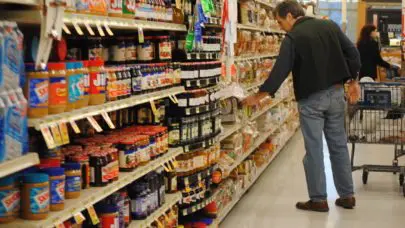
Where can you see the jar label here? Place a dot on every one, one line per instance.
(57, 91)
(118, 52)
(10, 202)
(38, 93)
(104, 174)
(86, 84)
(73, 184)
(82, 5)
(115, 6)
(72, 87)
(165, 50)
(127, 159)
(128, 6)
(97, 83)
(39, 200)
(57, 191)
(146, 51)
(139, 207)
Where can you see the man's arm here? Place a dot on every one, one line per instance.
(281, 68)
(351, 54)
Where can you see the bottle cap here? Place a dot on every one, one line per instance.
(34, 178)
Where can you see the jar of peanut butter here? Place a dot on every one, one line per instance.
(72, 81)
(58, 90)
(37, 91)
(35, 196)
(86, 84)
(98, 81)
(56, 187)
(73, 180)
(10, 198)
(80, 87)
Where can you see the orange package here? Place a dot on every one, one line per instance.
(98, 7)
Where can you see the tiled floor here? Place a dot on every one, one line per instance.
(271, 201)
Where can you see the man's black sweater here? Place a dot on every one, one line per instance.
(319, 55)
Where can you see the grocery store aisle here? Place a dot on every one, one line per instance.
(271, 201)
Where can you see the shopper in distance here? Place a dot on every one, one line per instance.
(370, 53)
(322, 59)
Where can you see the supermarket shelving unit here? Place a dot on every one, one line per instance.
(89, 197)
(94, 110)
(225, 211)
(171, 200)
(17, 164)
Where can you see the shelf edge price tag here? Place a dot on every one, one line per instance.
(77, 28)
(56, 134)
(79, 218)
(141, 37)
(89, 29)
(94, 124)
(107, 29)
(64, 132)
(66, 29)
(99, 28)
(50, 143)
(76, 128)
(154, 109)
(93, 215)
(108, 120)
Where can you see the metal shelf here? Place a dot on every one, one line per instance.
(259, 29)
(21, 2)
(12, 166)
(253, 57)
(225, 211)
(171, 199)
(89, 197)
(107, 107)
(229, 130)
(265, 109)
(34, 17)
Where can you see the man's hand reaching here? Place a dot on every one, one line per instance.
(254, 99)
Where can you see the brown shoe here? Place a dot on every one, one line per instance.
(347, 203)
(313, 206)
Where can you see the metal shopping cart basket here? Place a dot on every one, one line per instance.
(379, 118)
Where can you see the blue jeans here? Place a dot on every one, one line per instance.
(324, 112)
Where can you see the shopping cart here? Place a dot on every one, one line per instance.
(378, 118)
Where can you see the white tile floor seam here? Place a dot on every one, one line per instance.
(271, 200)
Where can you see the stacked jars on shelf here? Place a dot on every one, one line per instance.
(139, 9)
(116, 70)
(255, 14)
(255, 43)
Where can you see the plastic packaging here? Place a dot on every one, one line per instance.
(10, 198)
(35, 196)
(56, 187)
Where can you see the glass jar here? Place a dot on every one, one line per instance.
(98, 81)
(58, 88)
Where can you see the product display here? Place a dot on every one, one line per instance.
(126, 118)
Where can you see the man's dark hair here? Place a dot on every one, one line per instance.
(289, 6)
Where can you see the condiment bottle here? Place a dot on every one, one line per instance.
(96, 170)
(10, 198)
(73, 180)
(35, 196)
(57, 187)
(98, 81)
(58, 88)
(37, 91)
(108, 215)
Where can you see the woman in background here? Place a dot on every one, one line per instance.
(370, 52)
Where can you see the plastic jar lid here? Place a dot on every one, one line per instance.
(56, 66)
(55, 171)
(10, 180)
(71, 166)
(35, 178)
(107, 209)
(30, 67)
(79, 64)
(70, 65)
(96, 63)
